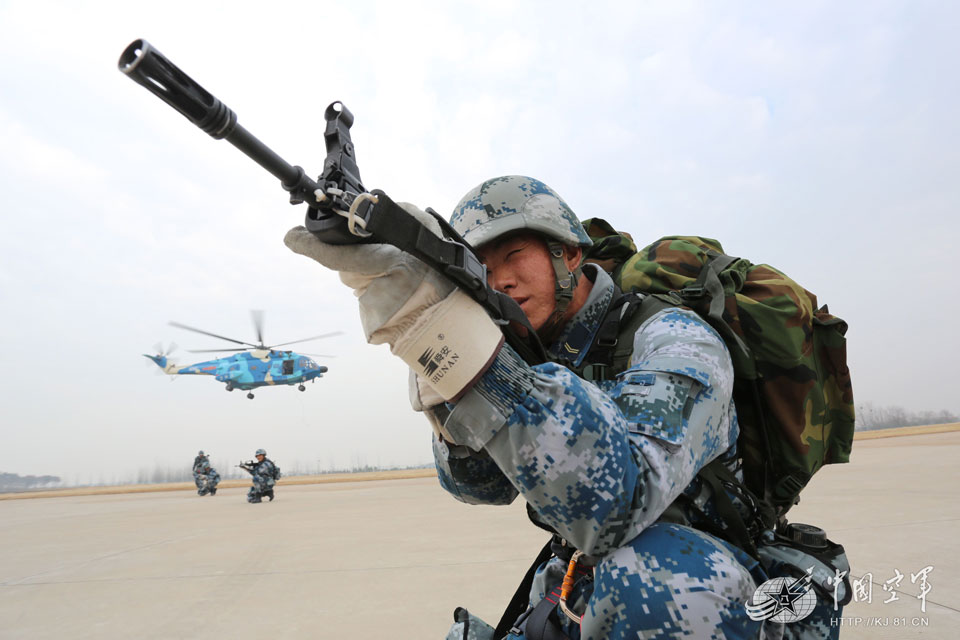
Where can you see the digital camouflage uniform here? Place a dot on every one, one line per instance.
(207, 480)
(199, 462)
(602, 464)
(263, 476)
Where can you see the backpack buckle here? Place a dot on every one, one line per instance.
(693, 292)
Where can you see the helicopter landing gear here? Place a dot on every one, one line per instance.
(250, 395)
(229, 386)
(301, 387)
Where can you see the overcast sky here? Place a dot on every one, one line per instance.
(820, 137)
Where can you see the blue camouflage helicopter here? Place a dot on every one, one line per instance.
(253, 366)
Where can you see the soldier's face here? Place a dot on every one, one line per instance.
(519, 266)
(260, 457)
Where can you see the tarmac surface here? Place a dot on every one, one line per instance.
(393, 558)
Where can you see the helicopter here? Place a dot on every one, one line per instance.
(253, 366)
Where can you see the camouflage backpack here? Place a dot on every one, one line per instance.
(792, 386)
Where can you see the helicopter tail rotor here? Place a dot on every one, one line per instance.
(165, 352)
(162, 359)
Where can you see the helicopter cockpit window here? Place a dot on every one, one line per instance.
(287, 367)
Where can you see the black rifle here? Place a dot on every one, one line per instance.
(340, 210)
(248, 466)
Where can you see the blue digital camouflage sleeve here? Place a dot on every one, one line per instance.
(598, 462)
(471, 476)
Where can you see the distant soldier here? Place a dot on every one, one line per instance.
(207, 478)
(198, 463)
(265, 475)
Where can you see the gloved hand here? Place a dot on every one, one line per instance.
(440, 332)
(424, 399)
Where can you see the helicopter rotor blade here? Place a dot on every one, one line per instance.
(212, 335)
(215, 350)
(325, 335)
(257, 316)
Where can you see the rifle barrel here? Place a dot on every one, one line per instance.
(149, 68)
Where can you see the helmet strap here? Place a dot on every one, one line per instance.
(565, 285)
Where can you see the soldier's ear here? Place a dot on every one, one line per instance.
(572, 256)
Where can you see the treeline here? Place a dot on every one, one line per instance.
(165, 474)
(11, 482)
(870, 416)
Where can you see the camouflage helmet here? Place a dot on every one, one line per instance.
(201, 453)
(260, 452)
(512, 203)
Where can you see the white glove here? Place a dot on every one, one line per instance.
(440, 332)
(424, 399)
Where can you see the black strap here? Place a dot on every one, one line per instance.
(736, 532)
(600, 352)
(540, 624)
(613, 344)
(521, 597)
(455, 259)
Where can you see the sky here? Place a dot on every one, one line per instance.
(819, 137)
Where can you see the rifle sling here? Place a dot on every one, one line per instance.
(389, 223)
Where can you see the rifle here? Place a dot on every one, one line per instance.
(247, 466)
(340, 210)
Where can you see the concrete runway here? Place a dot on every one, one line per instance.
(392, 559)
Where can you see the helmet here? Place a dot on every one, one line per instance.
(511, 203)
(260, 452)
(201, 453)
(503, 205)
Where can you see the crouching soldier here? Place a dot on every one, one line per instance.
(206, 478)
(265, 475)
(198, 464)
(603, 461)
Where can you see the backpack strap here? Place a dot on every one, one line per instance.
(708, 288)
(738, 532)
(521, 597)
(539, 624)
(612, 346)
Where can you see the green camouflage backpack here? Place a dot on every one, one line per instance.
(792, 391)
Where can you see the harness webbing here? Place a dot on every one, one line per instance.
(521, 597)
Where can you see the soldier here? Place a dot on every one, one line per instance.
(264, 475)
(607, 465)
(207, 478)
(198, 464)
